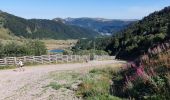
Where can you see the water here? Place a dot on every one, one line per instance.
(56, 51)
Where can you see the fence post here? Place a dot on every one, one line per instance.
(5, 61)
(24, 59)
(56, 58)
(15, 60)
(67, 58)
(34, 59)
(41, 59)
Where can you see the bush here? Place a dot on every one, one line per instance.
(142, 82)
(67, 52)
(36, 48)
(31, 47)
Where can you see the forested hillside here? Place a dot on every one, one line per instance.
(139, 37)
(41, 28)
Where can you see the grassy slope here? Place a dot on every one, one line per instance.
(4, 34)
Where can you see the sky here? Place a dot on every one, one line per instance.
(110, 9)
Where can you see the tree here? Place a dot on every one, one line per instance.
(36, 47)
(116, 43)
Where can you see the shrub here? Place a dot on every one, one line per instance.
(96, 85)
(31, 47)
(141, 82)
(36, 47)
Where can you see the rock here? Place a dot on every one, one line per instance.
(75, 86)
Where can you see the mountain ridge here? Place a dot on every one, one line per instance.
(101, 25)
(42, 28)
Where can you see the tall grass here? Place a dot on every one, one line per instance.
(96, 85)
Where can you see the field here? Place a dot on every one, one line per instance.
(59, 44)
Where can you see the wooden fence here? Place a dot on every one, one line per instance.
(47, 59)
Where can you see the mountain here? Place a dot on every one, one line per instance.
(41, 28)
(135, 40)
(101, 25)
(139, 37)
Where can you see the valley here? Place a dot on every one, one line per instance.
(100, 25)
(121, 50)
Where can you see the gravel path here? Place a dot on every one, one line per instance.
(28, 85)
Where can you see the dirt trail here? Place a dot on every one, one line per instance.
(28, 85)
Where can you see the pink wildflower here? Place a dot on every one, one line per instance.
(132, 78)
(139, 71)
(133, 65)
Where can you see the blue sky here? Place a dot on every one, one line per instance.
(112, 9)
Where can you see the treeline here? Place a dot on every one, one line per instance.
(95, 43)
(93, 46)
(29, 47)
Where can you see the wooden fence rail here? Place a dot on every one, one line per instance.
(47, 59)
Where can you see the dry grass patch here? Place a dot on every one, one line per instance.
(59, 44)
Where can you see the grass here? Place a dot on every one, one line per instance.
(4, 34)
(63, 79)
(54, 85)
(68, 76)
(7, 67)
(96, 85)
(58, 44)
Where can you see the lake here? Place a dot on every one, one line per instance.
(56, 51)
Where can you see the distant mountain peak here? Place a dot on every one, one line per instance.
(102, 19)
(101, 25)
(69, 19)
(59, 20)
